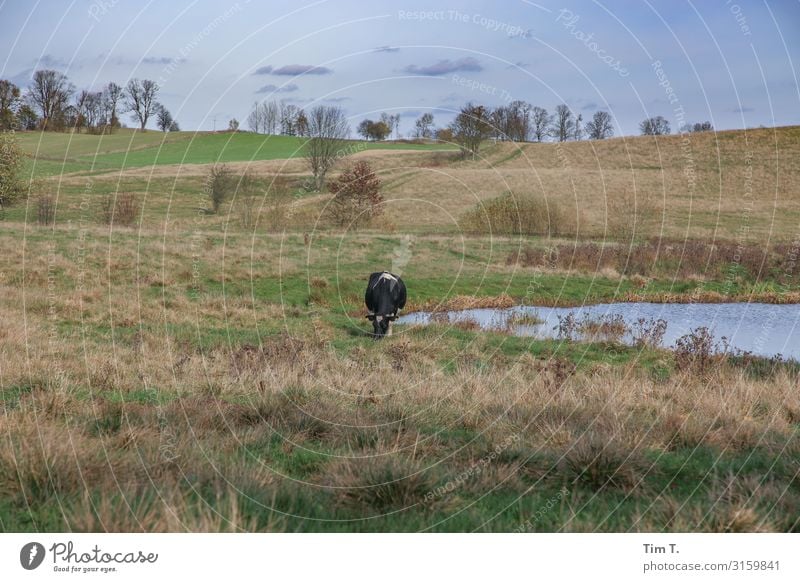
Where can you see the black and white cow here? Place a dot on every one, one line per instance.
(386, 294)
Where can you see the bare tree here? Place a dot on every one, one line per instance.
(540, 123)
(288, 118)
(233, 124)
(563, 123)
(80, 109)
(600, 126)
(140, 99)
(111, 98)
(423, 127)
(272, 116)
(327, 130)
(512, 121)
(302, 124)
(9, 102)
(470, 127)
(93, 111)
(577, 129)
(49, 92)
(654, 126)
(254, 119)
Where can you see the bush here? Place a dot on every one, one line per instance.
(120, 209)
(219, 184)
(45, 210)
(515, 215)
(357, 198)
(11, 185)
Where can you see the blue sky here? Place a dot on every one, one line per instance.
(734, 63)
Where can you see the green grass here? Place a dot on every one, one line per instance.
(55, 153)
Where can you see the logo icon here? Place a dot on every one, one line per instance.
(31, 555)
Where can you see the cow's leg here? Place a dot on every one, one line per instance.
(389, 328)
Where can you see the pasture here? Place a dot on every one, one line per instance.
(191, 372)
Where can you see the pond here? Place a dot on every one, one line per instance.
(763, 329)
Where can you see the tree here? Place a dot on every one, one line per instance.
(512, 121)
(563, 123)
(93, 111)
(654, 126)
(27, 117)
(374, 130)
(470, 127)
(140, 99)
(327, 130)
(392, 122)
(540, 123)
(302, 124)
(423, 127)
(577, 130)
(357, 198)
(112, 95)
(9, 104)
(78, 118)
(444, 135)
(254, 120)
(697, 127)
(233, 124)
(164, 118)
(363, 128)
(88, 111)
(174, 126)
(288, 118)
(11, 186)
(50, 91)
(264, 118)
(600, 126)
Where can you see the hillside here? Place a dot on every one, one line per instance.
(727, 185)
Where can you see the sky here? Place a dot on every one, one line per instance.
(735, 64)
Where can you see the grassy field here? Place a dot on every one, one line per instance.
(192, 373)
(69, 152)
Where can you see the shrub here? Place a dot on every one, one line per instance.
(695, 350)
(648, 332)
(219, 184)
(357, 198)
(45, 210)
(120, 209)
(11, 186)
(515, 215)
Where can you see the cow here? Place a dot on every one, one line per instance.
(386, 294)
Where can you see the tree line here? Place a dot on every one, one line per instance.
(52, 103)
(522, 122)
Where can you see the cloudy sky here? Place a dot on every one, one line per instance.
(736, 64)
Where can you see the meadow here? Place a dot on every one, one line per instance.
(197, 372)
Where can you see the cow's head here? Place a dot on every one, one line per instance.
(381, 324)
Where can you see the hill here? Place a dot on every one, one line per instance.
(727, 185)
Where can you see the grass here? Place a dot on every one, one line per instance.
(188, 374)
(61, 153)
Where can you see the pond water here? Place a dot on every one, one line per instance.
(763, 329)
